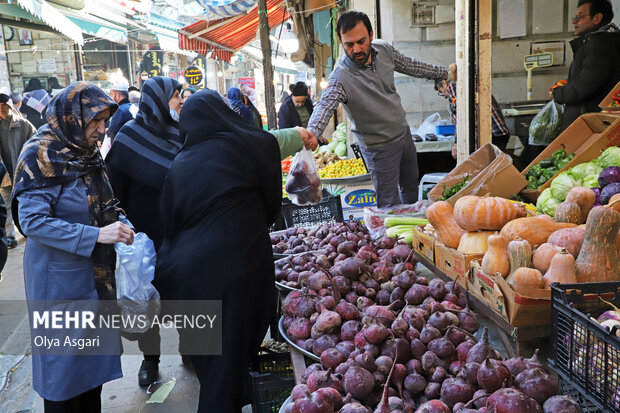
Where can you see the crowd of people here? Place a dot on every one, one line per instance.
(185, 167)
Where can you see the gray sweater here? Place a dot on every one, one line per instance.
(370, 98)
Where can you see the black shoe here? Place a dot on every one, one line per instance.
(148, 373)
(12, 243)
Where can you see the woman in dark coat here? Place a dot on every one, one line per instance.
(222, 193)
(235, 98)
(137, 165)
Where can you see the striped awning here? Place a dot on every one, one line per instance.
(224, 37)
(53, 18)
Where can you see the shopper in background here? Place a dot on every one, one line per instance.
(363, 81)
(61, 200)
(258, 119)
(595, 69)
(297, 109)
(15, 130)
(35, 100)
(187, 92)
(134, 97)
(53, 87)
(500, 133)
(238, 190)
(16, 100)
(137, 165)
(235, 98)
(120, 94)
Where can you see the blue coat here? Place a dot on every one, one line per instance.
(121, 117)
(57, 266)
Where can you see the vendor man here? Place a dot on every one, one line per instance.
(595, 69)
(363, 82)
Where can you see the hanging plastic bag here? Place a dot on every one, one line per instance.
(547, 124)
(135, 269)
(303, 185)
(428, 126)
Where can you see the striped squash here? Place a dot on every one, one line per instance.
(474, 213)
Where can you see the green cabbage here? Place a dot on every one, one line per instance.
(590, 181)
(341, 149)
(585, 169)
(546, 203)
(610, 157)
(563, 183)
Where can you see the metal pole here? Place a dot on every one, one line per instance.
(129, 66)
(265, 43)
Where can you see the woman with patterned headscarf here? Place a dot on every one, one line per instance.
(235, 97)
(63, 203)
(137, 165)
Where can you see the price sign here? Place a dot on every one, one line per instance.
(193, 75)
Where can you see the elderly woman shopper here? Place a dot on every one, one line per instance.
(235, 98)
(236, 191)
(137, 165)
(61, 201)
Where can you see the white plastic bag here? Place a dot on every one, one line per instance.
(303, 185)
(428, 126)
(135, 270)
(105, 146)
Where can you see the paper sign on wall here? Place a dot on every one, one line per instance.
(47, 65)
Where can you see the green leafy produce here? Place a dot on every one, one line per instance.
(590, 181)
(563, 183)
(546, 203)
(610, 157)
(447, 193)
(540, 173)
(586, 169)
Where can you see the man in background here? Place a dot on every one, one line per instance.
(120, 94)
(499, 131)
(296, 109)
(15, 130)
(16, 99)
(595, 69)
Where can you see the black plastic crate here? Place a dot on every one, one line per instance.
(272, 380)
(358, 154)
(566, 388)
(583, 352)
(309, 215)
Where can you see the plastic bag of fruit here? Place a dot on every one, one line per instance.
(303, 185)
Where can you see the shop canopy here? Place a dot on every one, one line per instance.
(95, 26)
(165, 30)
(45, 12)
(224, 37)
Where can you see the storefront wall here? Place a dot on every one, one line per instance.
(545, 21)
(54, 57)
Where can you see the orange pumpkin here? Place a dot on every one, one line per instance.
(496, 260)
(473, 213)
(536, 231)
(598, 260)
(562, 270)
(528, 277)
(441, 216)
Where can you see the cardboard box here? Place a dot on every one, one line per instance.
(490, 171)
(354, 197)
(454, 263)
(423, 244)
(521, 307)
(587, 137)
(606, 104)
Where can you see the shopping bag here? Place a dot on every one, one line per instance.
(428, 126)
(547, 124)
(137, 298)
(303, 185)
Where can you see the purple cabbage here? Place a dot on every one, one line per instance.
(609, 191)
(608, 176)
(597, 193)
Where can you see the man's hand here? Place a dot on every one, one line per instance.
(116, 232)
(454, 151)
(452, 69)
(310, 141)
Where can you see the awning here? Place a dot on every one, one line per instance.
(169, 40)
(226, 8)
(95, 26)
(53, 18)
(224, 37)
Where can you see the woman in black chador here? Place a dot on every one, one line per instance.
(222, 192)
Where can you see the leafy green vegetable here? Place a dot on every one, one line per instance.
(590, 181)
(447, 193)
(610, 157)
(546, 125)
(586, 169)
(546, 203)
(563, 183)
